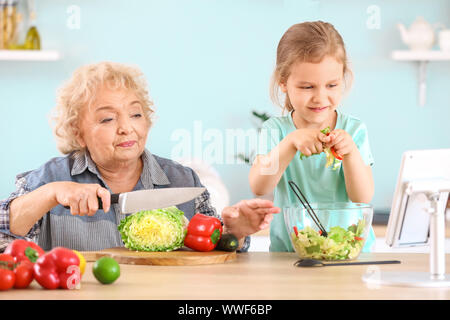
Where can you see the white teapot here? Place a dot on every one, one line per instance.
(420, 35)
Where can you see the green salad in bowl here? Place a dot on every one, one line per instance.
(346, 224)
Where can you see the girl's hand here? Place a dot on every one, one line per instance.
(308, 141)
(342, 142)
(81, 198)
(248, 216)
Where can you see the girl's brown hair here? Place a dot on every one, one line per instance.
(307, 42)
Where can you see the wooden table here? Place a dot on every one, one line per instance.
(254, 275)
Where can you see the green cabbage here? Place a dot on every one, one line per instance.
(154, 230)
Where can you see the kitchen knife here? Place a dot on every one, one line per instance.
(134, 201)
(318, 263)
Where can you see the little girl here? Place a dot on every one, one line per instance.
(312, 71)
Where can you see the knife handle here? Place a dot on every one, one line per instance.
(114, 199)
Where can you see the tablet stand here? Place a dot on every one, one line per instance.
(437, 192)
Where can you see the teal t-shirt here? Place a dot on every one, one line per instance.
(318, 183)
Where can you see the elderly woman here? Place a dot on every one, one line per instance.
(103, 117)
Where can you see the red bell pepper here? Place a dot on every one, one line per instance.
(22, 250)
(335, 154)
(296, 231)
(58, 268)
(203, 233)
(333, 151)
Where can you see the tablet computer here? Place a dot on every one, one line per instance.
(409, 219)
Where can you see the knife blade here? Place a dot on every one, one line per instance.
(134, 201)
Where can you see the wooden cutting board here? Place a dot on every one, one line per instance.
(181, 257)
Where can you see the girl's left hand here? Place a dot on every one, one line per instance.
(248, 216)
(342, 142)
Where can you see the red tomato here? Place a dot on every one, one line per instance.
(7, 279)
(24, 275)
(6, 261)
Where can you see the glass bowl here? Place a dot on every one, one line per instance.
(347, 225)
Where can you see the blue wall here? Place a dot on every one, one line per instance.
(212, 61)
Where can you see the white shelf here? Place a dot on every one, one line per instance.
(410, 55)
(29, 55)
(422, 57)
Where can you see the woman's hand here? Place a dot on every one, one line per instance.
(27, 209)
(248, 216)
(81, 198)
(308, 141)
(342, 142)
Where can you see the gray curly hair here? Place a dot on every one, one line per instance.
(80, 91)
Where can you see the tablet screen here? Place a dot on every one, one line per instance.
(416, 221)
